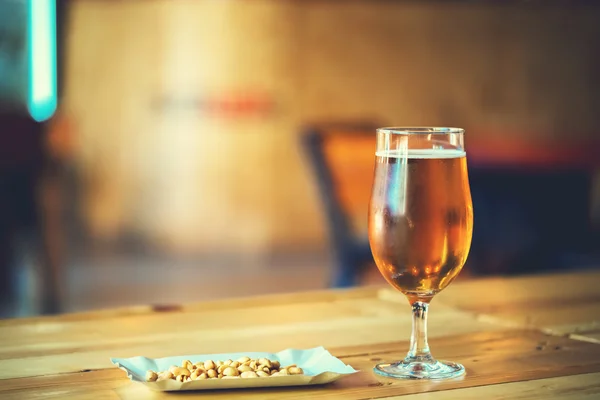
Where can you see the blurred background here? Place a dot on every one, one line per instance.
(167, 151)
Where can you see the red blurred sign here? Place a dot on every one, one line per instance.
(228, 106)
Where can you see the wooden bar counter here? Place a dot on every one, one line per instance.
(523, 338)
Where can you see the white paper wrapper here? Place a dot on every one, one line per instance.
(318, 364)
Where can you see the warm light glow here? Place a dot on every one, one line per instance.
(42, 95)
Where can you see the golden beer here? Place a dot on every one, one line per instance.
(420, 219)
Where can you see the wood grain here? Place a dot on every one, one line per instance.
(490, 358)
(52, 345)
(68, 356)
(592, 336)
(559, 304)
(579, 387)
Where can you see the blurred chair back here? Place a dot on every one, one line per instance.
(533, 205)
(342, 158)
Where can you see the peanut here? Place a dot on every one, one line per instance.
(181, 371)
(212, 373)
(151, 376)
(295, 370)
(230, 371)
(164, 376)
(243, 367)
(249, 374)
(198, 374)
(209, 364)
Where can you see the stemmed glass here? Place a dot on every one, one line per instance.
(420, 228)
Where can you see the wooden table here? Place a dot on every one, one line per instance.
(527, 337)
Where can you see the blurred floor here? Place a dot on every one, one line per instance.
(115, 283)
(151, 282)
(125, 281)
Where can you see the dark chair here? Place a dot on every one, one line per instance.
(532, 206)
(342, 159)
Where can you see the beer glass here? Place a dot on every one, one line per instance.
(420, 228)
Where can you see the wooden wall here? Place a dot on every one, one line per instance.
(186, 113)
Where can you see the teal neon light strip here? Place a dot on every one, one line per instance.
(41, 44)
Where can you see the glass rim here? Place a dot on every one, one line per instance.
(420, 130)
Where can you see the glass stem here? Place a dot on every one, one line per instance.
(419, 348)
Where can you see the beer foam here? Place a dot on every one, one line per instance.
(422, 153)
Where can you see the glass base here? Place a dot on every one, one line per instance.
(408, 369)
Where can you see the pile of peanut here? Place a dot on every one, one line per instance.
(244, 367)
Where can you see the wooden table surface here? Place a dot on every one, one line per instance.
(522, 338)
